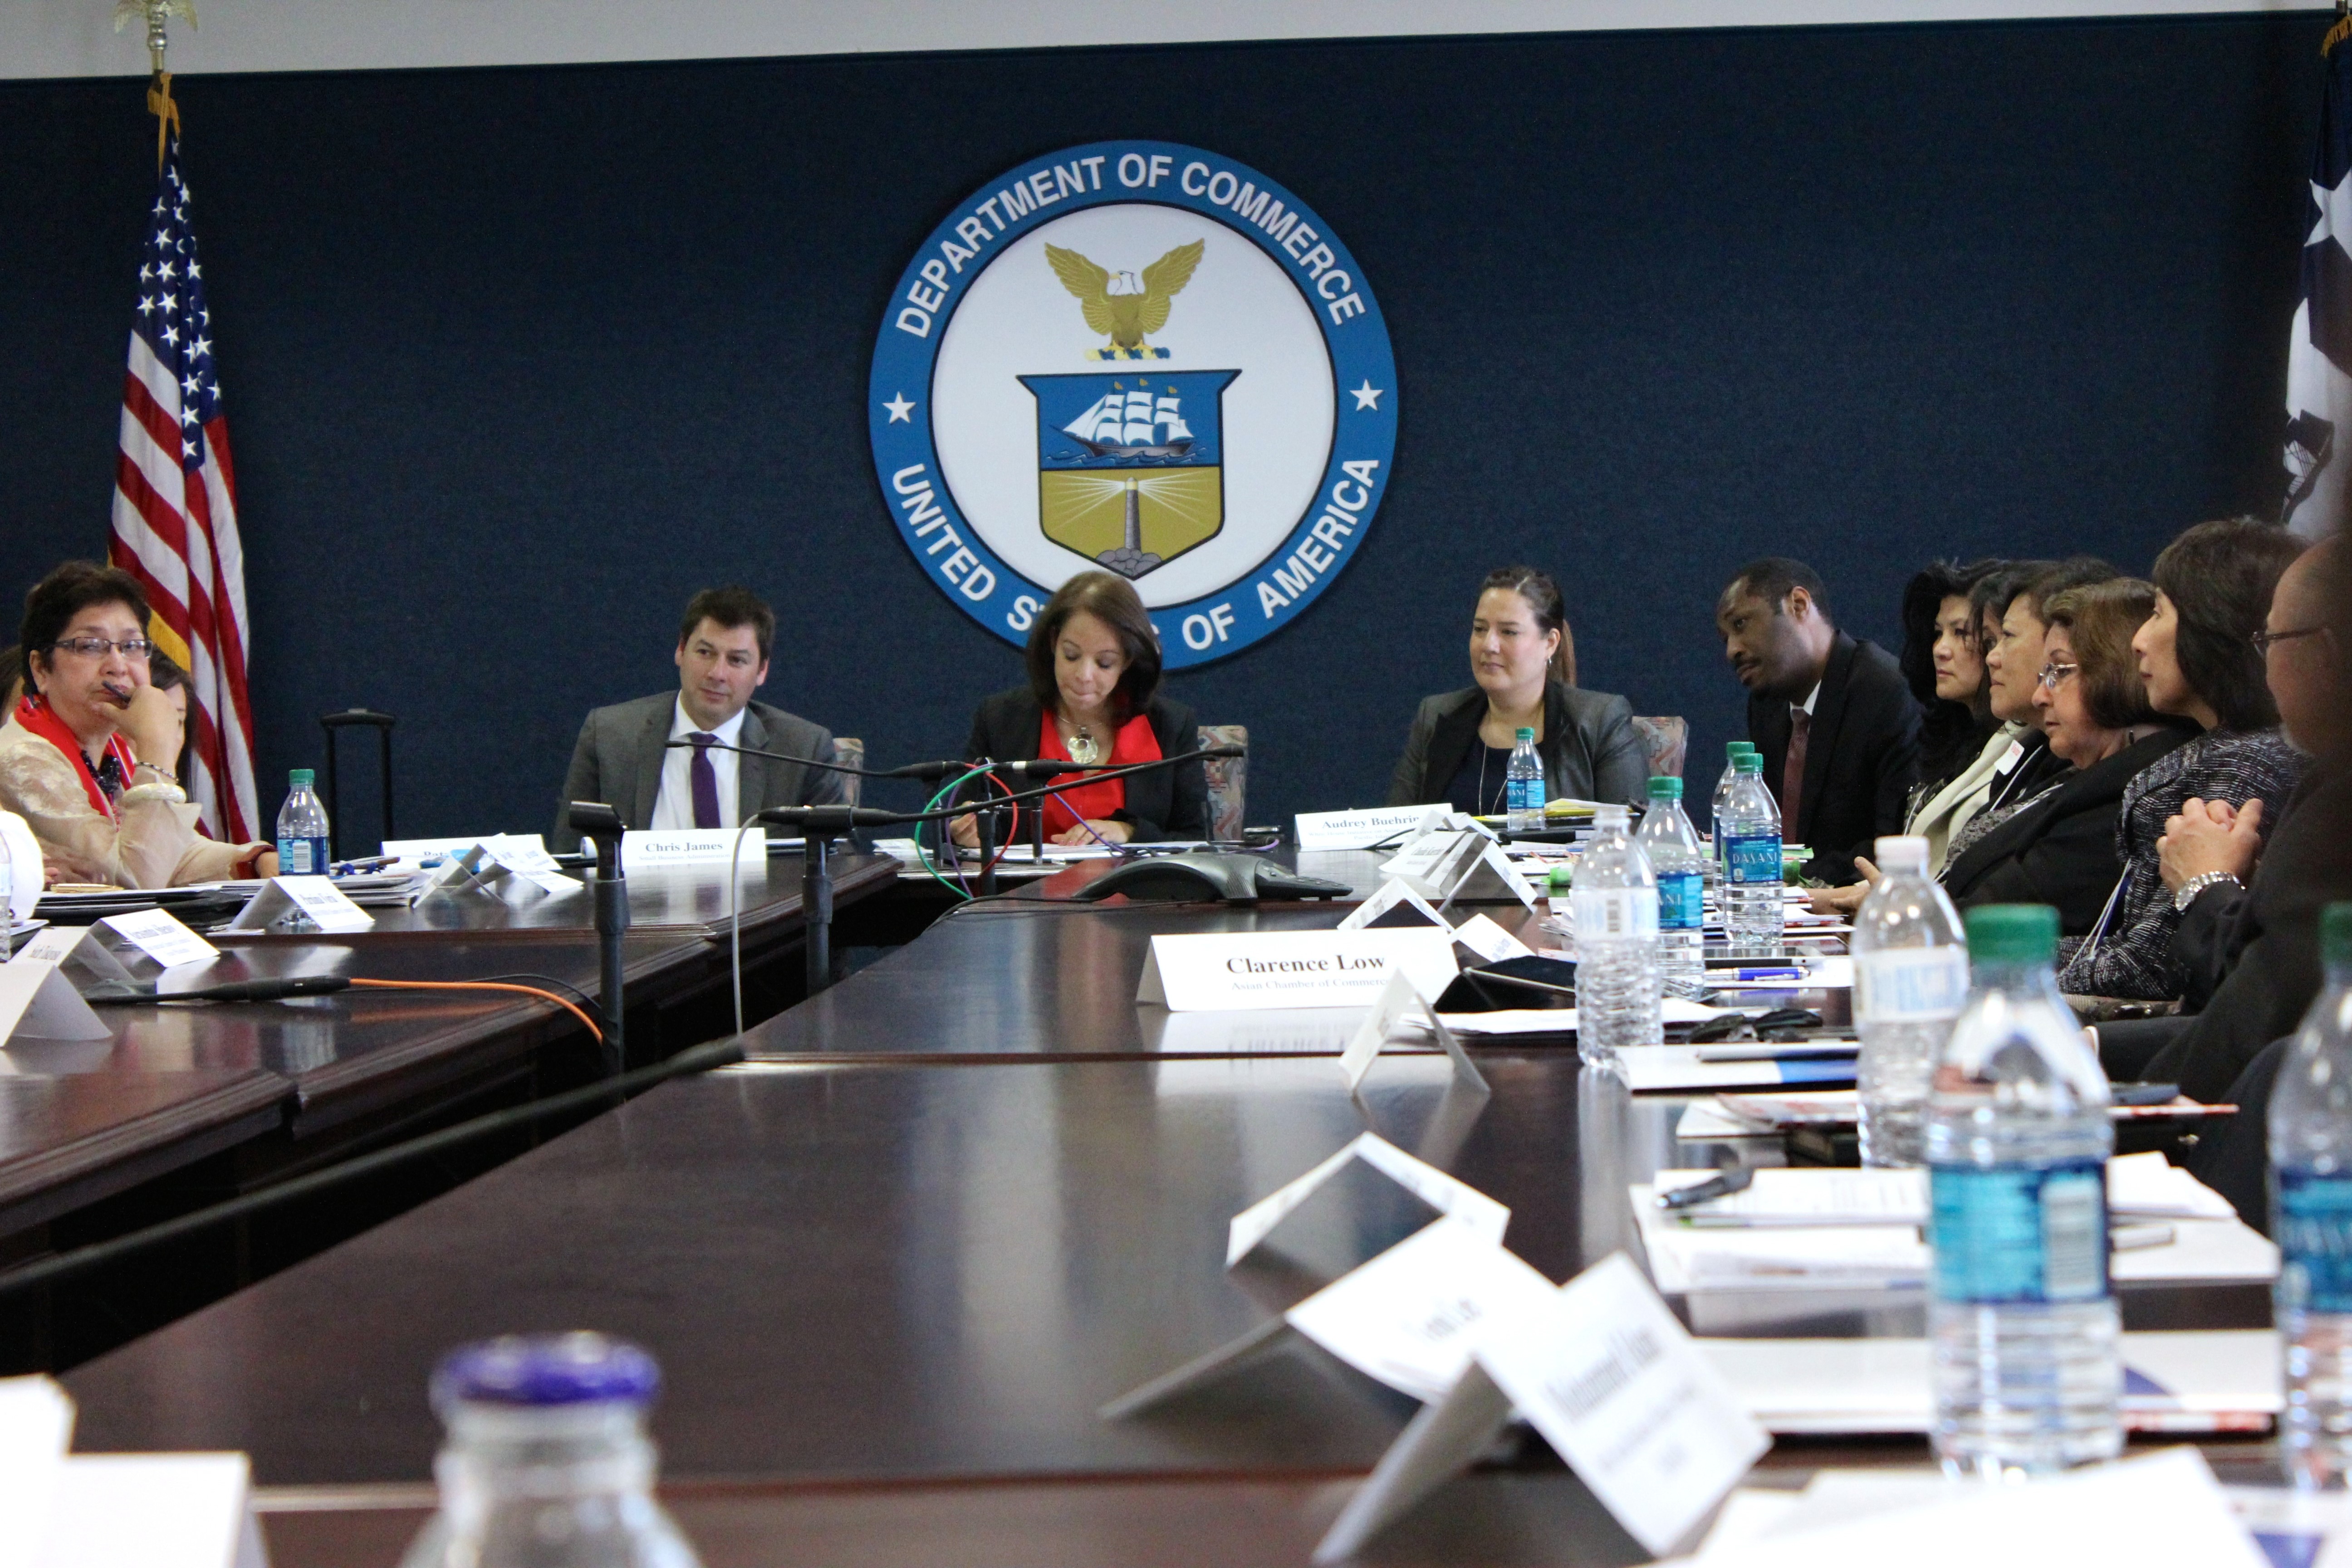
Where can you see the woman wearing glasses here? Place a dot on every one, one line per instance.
(2059, 848)
(2197, 656)
(87, 756)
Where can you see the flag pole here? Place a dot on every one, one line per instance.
(155, 13)
(2338, 33)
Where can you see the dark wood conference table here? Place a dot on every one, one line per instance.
(891, 1280)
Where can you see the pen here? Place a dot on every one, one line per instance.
(1722, 1184)
(1783, 972)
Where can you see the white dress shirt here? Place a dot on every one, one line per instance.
(1806, 706)
(673, 806)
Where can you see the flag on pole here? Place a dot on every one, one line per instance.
(2319, 353)
(175, 508)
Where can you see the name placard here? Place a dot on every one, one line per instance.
(1209, 971)
(1460, 865)
(1615, 1385)
(36, 1003)
(1366, 829)
(502, 864)
(686, 846)
(1446, 1194)
(1489, 942)
(1399, 1002)
(418, 848)
(1396, 904)
(315, 897)
(159, 934)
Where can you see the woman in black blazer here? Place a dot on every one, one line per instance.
(2060, 847)
(1094, 696)
(1459, 749)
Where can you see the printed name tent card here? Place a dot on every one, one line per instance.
(1396, 905)
(1216, 971)
(38, 1003)
(1364, 829)
(1489, 943)
(158, 934)
(314, 899)
(1613, 1384)
(646, 851)
(1447, 1194)
(1399, 1001)
(77, 950)
(1462, 865)
(501, 865)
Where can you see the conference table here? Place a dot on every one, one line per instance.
(894, 1263)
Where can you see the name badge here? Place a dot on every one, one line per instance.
(315, 897)
(1368, 829)
(1210, 972)
(687, 847)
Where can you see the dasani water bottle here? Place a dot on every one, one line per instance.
(1524, 788)
(2311, 1220)
(1680, 866)
(301, 829)
(1910, 978)
(1614, 901)
(1748, 829)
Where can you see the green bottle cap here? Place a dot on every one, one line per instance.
(2012, 933)
(1665, 789)
(1527, 734)
(1747, 763)
(2336, 934)
(302, 778)
(1740, 747)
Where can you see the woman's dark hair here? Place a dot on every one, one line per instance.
(2219, 576)
(1113, 601)
(1953, 732)
(66, 592)
(2074, 572)
(163, 671)
(12, 672)
(1991, 595)
(1542, 595)
(2100, 618)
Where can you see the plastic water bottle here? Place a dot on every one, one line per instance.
(1910, 978)
(1614, 900)
(301, 829)
(2311, 1219)
(1749, 828)
(1680, 866)
(546, 1464)
(2027, 1363)
(1722, 801)
(1523, 791)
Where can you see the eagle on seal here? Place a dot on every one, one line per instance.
(1134, 313)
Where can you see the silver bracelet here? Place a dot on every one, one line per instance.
(2199, 883)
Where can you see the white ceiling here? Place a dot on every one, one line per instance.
(76, 38)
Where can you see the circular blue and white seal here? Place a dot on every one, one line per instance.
(1140, 357)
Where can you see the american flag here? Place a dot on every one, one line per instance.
(2319, 352)
(175, 509)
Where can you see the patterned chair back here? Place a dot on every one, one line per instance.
(1664, 741)
(849, 753)
(1228, 778)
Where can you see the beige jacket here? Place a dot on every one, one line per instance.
(154, 845)
(1952, 807)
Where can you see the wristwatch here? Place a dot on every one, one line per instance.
(2199, 883)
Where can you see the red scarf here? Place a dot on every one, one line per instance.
(37, 717)
(1066, 806)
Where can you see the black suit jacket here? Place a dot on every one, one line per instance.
(1860, 759)
(1590, 749)
(2060, 850)
(1167, 803)
(621, 750)
(2306, 865)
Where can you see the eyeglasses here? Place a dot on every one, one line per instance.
(98, 647)
(2264, 639)
(2053, 674)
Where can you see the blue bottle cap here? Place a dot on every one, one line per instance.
(546, 1369)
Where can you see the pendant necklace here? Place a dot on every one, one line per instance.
(1084, 749)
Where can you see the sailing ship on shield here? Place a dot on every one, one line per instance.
(1131, 469)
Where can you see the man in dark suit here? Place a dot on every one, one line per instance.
(624, 758)
(1834, 720)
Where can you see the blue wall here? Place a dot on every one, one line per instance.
(516, 360)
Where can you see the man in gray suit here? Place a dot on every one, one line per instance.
(624, 759)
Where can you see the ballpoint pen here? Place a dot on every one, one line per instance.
(1722, 1184)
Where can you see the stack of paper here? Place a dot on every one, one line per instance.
(1691, 1070)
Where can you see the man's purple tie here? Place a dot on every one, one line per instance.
(706, 781)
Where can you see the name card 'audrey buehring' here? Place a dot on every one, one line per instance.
(1227, 970)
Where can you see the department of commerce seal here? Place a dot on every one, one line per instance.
(1143, 358)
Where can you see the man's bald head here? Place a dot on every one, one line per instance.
(2304, 668)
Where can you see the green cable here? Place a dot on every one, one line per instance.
(932, 805)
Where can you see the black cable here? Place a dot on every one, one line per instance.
(694, 1059)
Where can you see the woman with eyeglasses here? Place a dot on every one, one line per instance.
(2059, 848)
(2196, 654)
(87, 756)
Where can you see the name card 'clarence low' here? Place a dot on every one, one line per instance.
(1225, 970)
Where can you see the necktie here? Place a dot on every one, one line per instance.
(1792, 772)
(706, 781)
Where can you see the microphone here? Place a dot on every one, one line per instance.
(787, 757)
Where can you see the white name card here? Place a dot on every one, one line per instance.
(36, 1003)
(159, 934)
(63, 944)
(315, 897)
(1400, 1001)
(502, 864)
(1446, 1194)
(1464, 864)
(25, 867)
(419, 848)
(1396, 904)
(1216, 971)
(685, 847)
(1604, 1372)
(1411, 1317)
(1490, 942)
(1368, 829)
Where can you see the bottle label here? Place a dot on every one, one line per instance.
(2008, 1235)
(1682, 900)
(1910, 984)
(1752, 857)
(2314, 1228)
(1606, 912)
(301, 857)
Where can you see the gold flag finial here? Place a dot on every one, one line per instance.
(2338, 33)
(154, 12)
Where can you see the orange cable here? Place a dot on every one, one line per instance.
(562, 1002)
